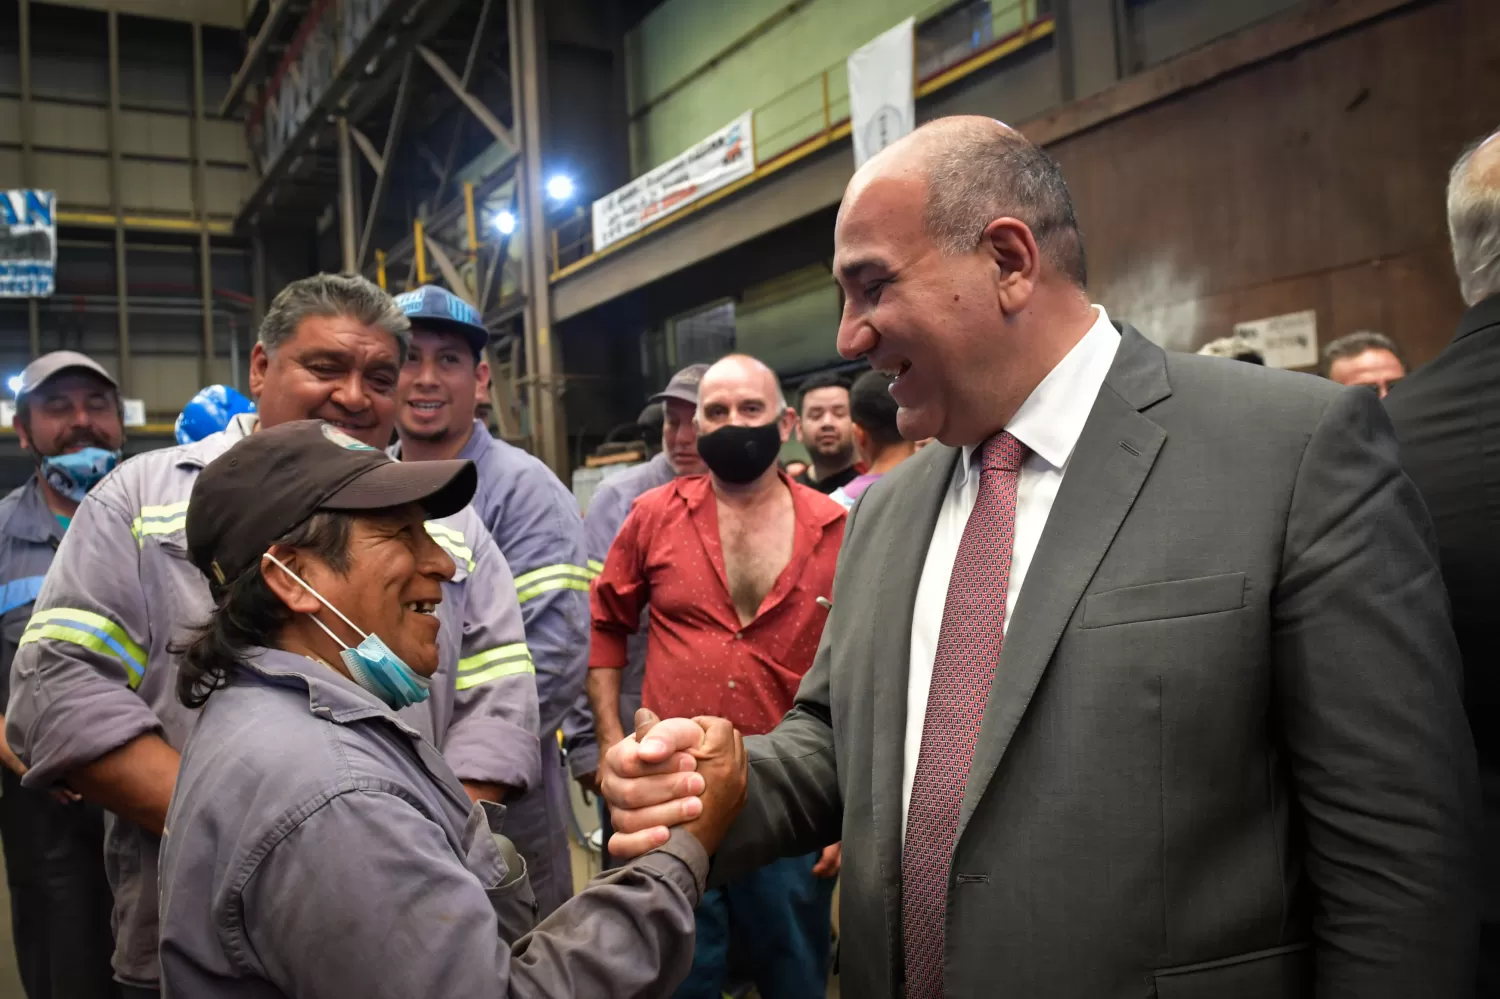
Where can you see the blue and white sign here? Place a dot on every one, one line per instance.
(28, 243)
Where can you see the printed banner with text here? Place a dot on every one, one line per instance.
(28, 243)
(882, 105)
(723, 157)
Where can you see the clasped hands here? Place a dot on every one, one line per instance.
(691, 772)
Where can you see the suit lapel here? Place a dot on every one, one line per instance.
(907, 528)
(1105, 473)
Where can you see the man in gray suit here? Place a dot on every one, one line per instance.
(1142, 683)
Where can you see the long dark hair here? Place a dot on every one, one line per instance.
(248, 615)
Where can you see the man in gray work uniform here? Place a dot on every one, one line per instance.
(534, 521)
(68, 417)
(92, 699)
(607, 511)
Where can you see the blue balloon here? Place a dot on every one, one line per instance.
(209, 412)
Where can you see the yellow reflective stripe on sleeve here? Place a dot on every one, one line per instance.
(595, 566)
(90, 631)
(452, 542)
(159, 520)
(530, 585)
(492, 664)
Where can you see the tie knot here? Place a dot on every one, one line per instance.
(1002, 453)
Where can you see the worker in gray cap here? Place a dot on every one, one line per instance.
(607, 510)
(318, 845)
(68, 417)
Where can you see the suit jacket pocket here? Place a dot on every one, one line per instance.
(1277, 973)
(1156, 601)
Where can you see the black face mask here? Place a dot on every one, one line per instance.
(740, 454)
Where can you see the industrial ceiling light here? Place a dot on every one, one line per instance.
(14, 384)
(506, 223)
(560, 187)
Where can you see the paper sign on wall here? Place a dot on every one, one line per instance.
(1289, 341)
(28, 243)
(882, 102)
(135, 412)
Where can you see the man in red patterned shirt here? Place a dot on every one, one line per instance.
(733, 566)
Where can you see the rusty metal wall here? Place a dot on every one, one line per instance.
(1310, 181)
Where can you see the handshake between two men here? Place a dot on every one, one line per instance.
(690, 772)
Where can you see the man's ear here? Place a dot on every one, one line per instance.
(789, 425)
(482, 386)
(19, 426)
(297, 597)
(862, 444)
(259, 361)
(1010, 244)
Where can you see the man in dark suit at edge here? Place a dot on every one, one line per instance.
(1188, 759)
(1447, 417)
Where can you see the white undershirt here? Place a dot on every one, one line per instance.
(1049, 423)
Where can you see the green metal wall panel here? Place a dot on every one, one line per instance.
(790, 323)
(681, 36)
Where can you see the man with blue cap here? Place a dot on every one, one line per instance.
(535, 522)
(68, 416)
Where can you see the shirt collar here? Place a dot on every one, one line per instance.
(1051, 419)
(478, 440)
(697, 490)
(330, 694)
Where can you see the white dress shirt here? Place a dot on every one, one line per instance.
(1049, 423)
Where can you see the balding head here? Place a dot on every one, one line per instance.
(975, 170)
(1474, 219)
(740, 391)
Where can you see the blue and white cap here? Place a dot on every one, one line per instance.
(431, 307)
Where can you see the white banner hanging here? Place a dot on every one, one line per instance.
(725, 156)
(882, 86)
(1289, 341)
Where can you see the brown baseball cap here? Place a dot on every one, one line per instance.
(56, 363)
(683, 386)
(270, 482)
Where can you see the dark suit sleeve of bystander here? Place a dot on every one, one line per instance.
(1368, 700)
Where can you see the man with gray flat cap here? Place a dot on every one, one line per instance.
(68, 416)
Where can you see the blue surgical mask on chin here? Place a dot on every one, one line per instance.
(371, 664)
(75, 473)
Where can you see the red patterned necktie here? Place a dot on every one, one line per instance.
(967, 653)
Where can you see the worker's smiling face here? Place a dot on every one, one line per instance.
(439, 386)
(391, 586)
(69, 412)
(333, 368)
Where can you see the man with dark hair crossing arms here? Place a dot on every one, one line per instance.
(881, 446)
(827, 433)
(68, 416)
(534, 520)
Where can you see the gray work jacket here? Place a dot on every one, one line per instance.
(535, 523)
(94, 670)
(607, 512)
(29, 536)
(318, 846)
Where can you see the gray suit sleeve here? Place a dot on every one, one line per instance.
(1367, 681)
(794, 805)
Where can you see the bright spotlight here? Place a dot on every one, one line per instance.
(560, 187)
(14, 384)
(506, 223)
